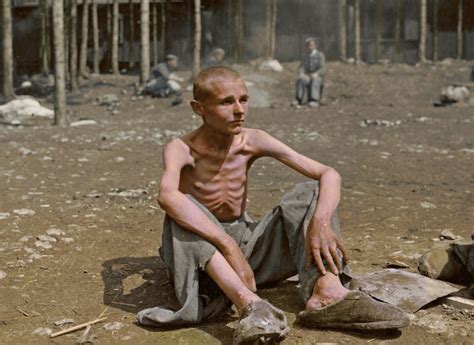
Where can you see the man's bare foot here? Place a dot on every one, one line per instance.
(327, 290)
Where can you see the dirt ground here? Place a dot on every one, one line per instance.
(92, 189)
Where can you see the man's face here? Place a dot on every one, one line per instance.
(310, 46)
(226, 107)
(219, 57)
(173, 63)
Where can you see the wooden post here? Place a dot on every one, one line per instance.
(60, 115)
(95, 38)
(378, 28)
(273, 28)
(163, 29)
(239, 27)
(398, 27)
(131, 38)
(358, 57)
(7, 56)
(422, 40)
(45, 42)
(342, 30)
(67, 27)
(197, 38)
(85, 33)
(459, 31)
(435, 31)
(154, 32)
(115, 38)
(144, 41)
(73, 47)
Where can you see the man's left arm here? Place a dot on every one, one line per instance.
(322, 241)
(321, 71)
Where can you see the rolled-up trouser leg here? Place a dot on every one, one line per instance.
(277, 249)
(314, 88)
(186, 255)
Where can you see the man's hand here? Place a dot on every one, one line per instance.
(304, 77)
(324, 244)
(236, 259)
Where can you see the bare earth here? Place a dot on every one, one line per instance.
(93, 192)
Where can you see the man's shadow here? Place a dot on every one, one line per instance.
(135, 283)
(132, 284)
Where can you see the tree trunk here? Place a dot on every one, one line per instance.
(144, 41)
(197, 38)
(154, 32)
(422, 42)
(239, 18)
(358, 57)
(44, 44)
(108, 54)
(7, 83)
(271, 16)
(73, 47)
(115, 38)
(95, 38)
(435, 30)
(459, 31)
(163, 29)
(342, 30)
(378, 28)
(85, 33)
(67, 34)
(60, 115)
(131, 38)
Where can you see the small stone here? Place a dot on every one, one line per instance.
(2, 274)
(83, 123)
(426, 204)
(24, 212)
(119, 159)
(63, 322)
(113, 326)
(24, 151)
(67, 239)
(55, 232)
(46, 238)
(42, 331)
(44, 245)
(4, 215)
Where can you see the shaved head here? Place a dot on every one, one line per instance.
(207, 79)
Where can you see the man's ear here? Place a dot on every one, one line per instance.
(197, 107)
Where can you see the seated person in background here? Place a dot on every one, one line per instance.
(163, 82)
(216, 255)
(216, 58)
(310, 75)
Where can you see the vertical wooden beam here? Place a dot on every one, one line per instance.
(163, 29)
(459, 30)
(358, 57)
(398, 28)
(131, 37)
(435, 31)
(73, 47)
(378, 28)
(422, 38)
(85, 33)
(115, 38)
(95, 38)
(60, 115)
(144, 41)
(342, 30)
(197, 38)
(154, 32)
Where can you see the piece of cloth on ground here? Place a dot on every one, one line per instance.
(274, 247)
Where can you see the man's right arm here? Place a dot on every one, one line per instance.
(187, 214)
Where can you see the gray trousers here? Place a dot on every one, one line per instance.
(274, 247)
(311, 85)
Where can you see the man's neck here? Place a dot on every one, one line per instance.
(214, 140)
